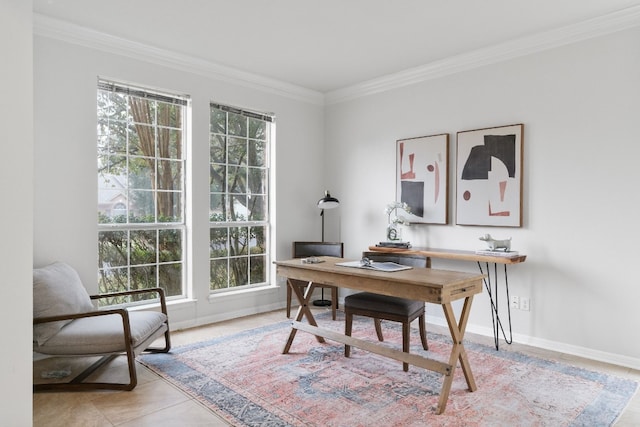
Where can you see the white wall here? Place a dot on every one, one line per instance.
(65, 79)
(16, 215)
(579, 105)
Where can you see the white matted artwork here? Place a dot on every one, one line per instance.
(422, 177)
(489, 176)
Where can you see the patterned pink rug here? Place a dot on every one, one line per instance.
(245, 379)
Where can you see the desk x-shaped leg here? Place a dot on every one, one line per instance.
(458, 351)
(303, 310)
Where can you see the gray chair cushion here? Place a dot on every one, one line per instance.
(102, 334)
(383, 303)
(57, 290)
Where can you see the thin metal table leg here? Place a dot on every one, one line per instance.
(495, 316)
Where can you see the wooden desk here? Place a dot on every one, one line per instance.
(425, 284)
(461, 255)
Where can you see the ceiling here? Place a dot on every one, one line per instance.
(325, 45)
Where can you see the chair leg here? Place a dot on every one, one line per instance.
(334, 302)
(376, 322)
(348, 321)
(288, 301)
(423, 332)
(406, 335)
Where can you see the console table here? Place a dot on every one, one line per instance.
(462, 255)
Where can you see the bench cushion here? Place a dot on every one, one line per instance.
(383, 304)
(103, 334)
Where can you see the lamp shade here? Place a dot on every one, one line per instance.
(328, 202)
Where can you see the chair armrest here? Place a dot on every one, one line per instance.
(159, 291)
(120, 311)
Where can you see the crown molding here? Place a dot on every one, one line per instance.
(71, 33)
(596, 27)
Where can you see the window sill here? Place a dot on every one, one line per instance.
(242, 293)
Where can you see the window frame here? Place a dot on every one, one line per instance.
(227, 223)
(179, 161)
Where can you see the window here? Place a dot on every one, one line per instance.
(141, 186)
(239, 145)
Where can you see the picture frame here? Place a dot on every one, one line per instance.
(489, 176)
(422, 177)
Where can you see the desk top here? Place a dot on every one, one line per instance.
(426, 284)
(452, 254)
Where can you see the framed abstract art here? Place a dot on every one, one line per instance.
(422, 177)
(489, 176)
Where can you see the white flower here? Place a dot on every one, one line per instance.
(393, 208)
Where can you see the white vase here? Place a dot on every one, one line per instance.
(394, 233)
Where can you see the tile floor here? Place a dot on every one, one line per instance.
(155, 402)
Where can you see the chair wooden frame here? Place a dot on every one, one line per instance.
(77, 384)
(309, 249)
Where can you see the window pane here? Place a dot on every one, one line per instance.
(142, 140)
(237, 179)
(257, 241)
(217, 149)
(256, 153)
(143, 277)
(238, 271)
(113, 249)
(169, 115)
(170, 278)
(169, 206)
(169, 175)
(113, 280)
(111, 144)
(257, 129)
(217, 210)
(237, 124)
(143, 247)
(218, 121)
(170, 245)
(112, 191)
(238, 241)
(218, 274)
(218, 177)
(239, 210)
(142, 172)
(141, 206)
(218, 242)
(258, 208)
(258, 269)
(237, 151)
(257, 180)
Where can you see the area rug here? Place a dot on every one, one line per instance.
(246, 379)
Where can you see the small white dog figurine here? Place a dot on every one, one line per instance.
(494, 244)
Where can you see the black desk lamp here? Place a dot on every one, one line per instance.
(327, 202)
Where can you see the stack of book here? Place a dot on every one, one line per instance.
(500, 253)
(400, 245)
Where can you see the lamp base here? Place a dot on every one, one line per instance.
(322, 303)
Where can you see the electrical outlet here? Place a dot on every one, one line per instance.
(515, 301)
(524, 304)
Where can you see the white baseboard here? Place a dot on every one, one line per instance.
(574, 350)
